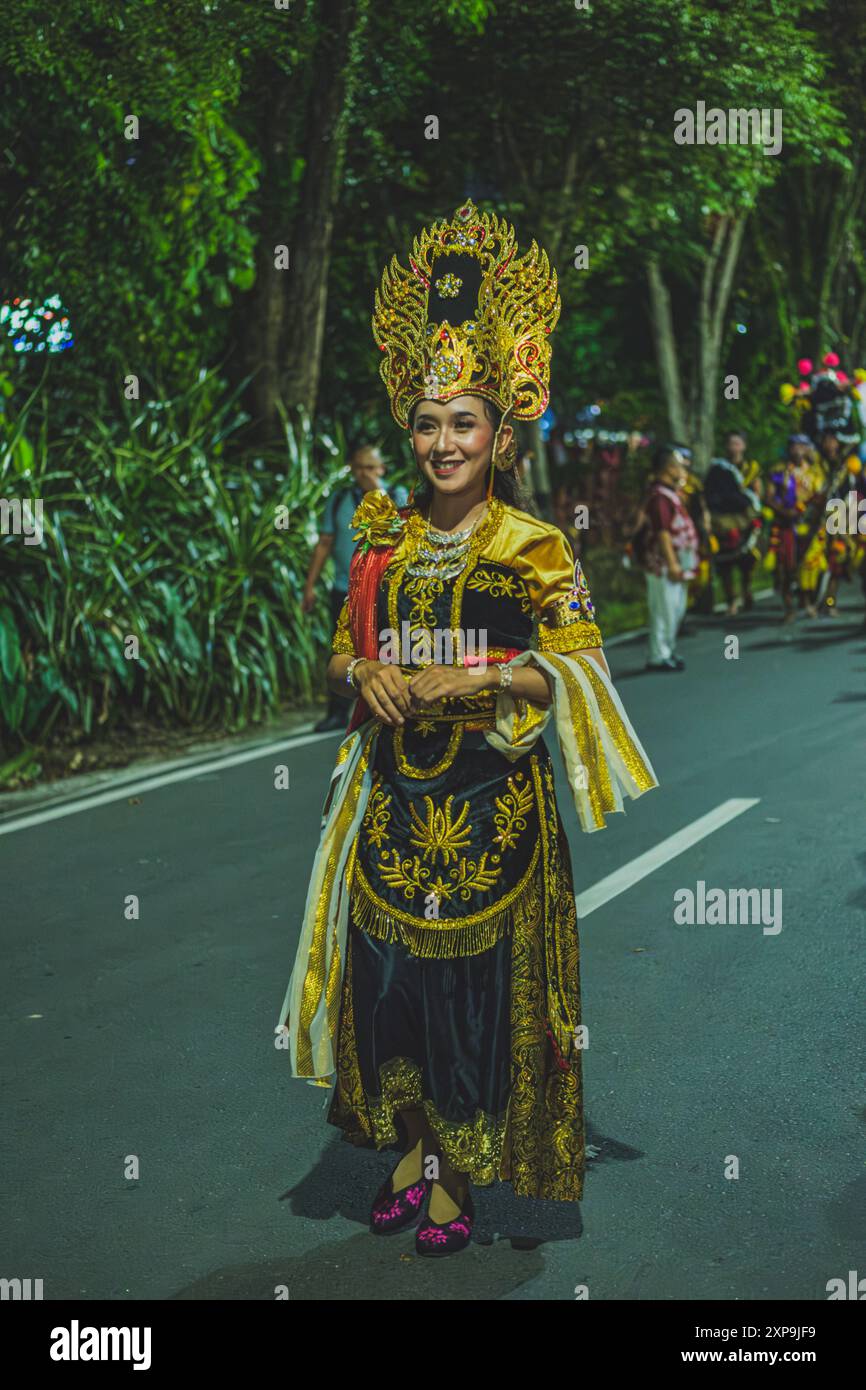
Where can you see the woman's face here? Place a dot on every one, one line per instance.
(453, 444)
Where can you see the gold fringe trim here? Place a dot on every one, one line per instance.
(440, 940)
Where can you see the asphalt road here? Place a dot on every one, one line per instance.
(154, 1038)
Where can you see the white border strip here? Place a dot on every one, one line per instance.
(625, 878)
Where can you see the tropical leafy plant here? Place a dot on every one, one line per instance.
(170, 573)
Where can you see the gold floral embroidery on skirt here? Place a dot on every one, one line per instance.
(377, 815)
(441, 833)
(539, 1147)
(436, 937)
(510, 818)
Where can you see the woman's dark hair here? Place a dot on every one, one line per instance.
(506, 484)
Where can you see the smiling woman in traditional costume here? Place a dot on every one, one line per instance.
(436, 981)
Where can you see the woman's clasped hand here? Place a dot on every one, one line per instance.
(391, 697)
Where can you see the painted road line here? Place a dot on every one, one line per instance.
(630, 874)
(138, 786)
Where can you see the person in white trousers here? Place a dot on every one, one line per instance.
(671, 554)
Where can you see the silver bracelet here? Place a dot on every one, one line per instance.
(505, 674)
(350, 670)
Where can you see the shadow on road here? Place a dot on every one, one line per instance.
(342, 1183)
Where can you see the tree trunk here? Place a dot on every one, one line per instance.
(834, 242)
(540, 470)
(856, 330)
(310, 248)
(261, 322)
(841, 259)
(716, 283)
(666, 349)
(780, 285)
(696, 428)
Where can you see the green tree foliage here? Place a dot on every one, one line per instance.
(161, 247)
(560, 117)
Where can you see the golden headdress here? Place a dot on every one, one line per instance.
(469, 317)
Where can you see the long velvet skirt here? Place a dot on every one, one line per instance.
(467, 1037)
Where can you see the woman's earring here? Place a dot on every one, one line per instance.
(501, 458)
(504, 458)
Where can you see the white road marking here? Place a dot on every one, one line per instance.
(137, 786)
(624, 878)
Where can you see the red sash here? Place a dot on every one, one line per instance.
(365, 576)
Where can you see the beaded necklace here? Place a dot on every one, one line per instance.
(440, 554)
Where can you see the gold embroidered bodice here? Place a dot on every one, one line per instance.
(519, 569)
(452, 828)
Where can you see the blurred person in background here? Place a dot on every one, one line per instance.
(786, 510)
(733, 491)
(608, 464)
(700, 592)
(811, 481)
(667, 546)
(844, 551)
(564, 504)
(335, 539)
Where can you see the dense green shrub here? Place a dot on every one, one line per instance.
(164, 528)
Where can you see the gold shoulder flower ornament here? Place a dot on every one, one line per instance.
(377, 521)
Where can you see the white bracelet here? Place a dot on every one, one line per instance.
(505, 674)
(350, 670)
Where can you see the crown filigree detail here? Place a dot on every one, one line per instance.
(490, 338)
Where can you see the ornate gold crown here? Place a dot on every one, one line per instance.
(469, 317)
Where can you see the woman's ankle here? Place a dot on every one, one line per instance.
(456, 1185)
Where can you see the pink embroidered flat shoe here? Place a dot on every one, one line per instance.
(394, 1211)
(434, 1239)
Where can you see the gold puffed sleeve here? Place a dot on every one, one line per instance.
(342, 641)
(550, 573)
